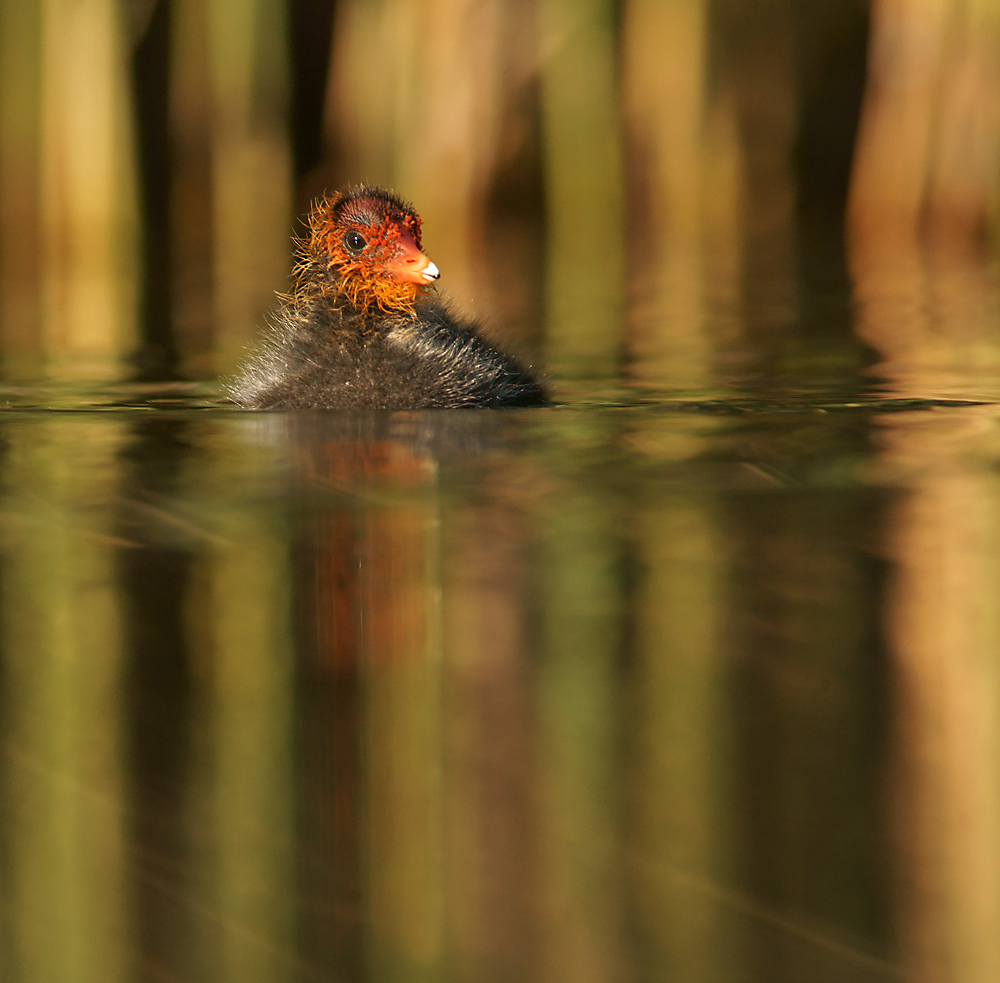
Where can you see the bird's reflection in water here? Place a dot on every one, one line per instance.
(403, 695)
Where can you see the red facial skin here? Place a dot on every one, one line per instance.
(387, 271)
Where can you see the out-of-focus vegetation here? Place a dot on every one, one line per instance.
(597, 173)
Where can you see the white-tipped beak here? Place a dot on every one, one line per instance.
(431, 272)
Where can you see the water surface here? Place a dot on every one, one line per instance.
(642, 686)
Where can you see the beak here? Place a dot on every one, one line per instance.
(410, 265)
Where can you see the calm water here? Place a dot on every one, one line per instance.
(658, 684)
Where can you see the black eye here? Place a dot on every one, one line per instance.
(354, 241)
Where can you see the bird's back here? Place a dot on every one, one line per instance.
(329, 358)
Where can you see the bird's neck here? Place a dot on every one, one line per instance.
(368, 295)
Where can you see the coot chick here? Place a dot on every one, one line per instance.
(357, 329)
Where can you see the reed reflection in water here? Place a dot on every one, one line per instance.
(626, 694)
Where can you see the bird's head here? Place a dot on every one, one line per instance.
(364, 245)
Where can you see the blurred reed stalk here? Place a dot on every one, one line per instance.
(925, 193)
(64, 818)
(684, 174)
(579, 707)
(399, 623)
(69, 210)
(20, 204)
(493, 886)
(582, 162)
(758, 78)
(680, 817)
(928, 153)
(89, 217)
(244, 621)
(232, 188)
(943, 629)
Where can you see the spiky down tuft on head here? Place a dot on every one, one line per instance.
(327, 268)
